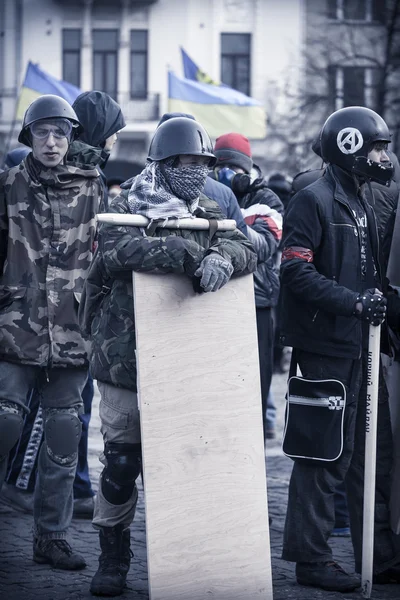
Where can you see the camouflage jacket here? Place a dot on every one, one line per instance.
(106, 310)
(47, 229)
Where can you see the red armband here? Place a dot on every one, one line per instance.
(297, 252)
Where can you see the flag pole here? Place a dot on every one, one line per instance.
(13, 124)
(7, 146)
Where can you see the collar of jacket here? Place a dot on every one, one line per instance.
(345, 188)
(81, 153)
(61, 176)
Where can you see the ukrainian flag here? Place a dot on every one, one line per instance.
(37, 83)
(192, 71)
(220, 109)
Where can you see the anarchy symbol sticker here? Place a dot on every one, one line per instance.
(349, 140)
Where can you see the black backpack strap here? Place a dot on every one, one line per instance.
(213, 229)
(293, 364)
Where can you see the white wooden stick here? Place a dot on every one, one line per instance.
(140, 221)
(370, 459)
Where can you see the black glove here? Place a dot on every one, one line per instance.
(371, 307)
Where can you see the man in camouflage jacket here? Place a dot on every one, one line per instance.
(172, 182)
(47, 230)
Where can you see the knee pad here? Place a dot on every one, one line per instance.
(11, 424)
(122, 470)
(62, 430)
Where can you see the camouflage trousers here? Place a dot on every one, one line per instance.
(120, 424)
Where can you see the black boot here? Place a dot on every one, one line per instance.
(327, 576)
(114, 562)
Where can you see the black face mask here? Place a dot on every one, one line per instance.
(375, 171)
(238, 182)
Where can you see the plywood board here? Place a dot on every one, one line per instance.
(203, 448)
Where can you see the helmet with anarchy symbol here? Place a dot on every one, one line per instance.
(348, 136)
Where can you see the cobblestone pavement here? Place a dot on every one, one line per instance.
(22, 579)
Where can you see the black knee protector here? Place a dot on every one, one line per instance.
(62, 430)
(123, 468)
(11, 424)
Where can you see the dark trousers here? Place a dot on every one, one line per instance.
(22, 462)
(310, 514)
(82, 485)
(342, 518)
(265, 334)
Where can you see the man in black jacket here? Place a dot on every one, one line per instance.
(330, 277)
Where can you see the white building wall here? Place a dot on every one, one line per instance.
(275, 25)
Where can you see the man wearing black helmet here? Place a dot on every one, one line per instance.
(47, 227)
(331, 281)
(169, 187)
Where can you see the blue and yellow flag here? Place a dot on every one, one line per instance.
(37, 83)
(220, 109)
(192, 71)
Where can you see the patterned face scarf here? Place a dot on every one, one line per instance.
(163, 192)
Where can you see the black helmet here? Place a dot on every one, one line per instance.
(348, 136)
(48, 106)
(181, 135)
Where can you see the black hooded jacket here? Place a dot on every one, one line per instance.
(100, 117)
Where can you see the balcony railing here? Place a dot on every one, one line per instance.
(139, 109)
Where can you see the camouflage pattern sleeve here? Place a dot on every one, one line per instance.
(128, 248)
(232, 245)
(3, 225)
(235, 247)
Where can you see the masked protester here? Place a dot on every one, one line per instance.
(170, 186)
(214, 190)
(262, 211)
(331, 280)
(47, 228)
(102, 120)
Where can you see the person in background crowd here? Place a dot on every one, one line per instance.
(170, 186)
(47, 232)
(15, 157)
(331, 281)
(262, 211)
(282, 186)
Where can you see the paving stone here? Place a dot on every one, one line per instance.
(22, 579)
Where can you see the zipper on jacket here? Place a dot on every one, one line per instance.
(315, 316)
(347, 225)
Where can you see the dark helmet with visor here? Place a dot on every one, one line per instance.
(347, 137)
(49, 107)
(181, 135)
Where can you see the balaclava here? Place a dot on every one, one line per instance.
(185, 182)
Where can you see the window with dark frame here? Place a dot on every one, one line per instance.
(357, 10)
(105, 61)
(353, 86)
(139, 63)
(71, 56)
(236, 61)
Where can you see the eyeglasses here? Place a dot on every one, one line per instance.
(42, 131)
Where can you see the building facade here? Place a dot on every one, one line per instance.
(125, 48)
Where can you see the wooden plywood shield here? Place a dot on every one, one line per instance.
(203, 449)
